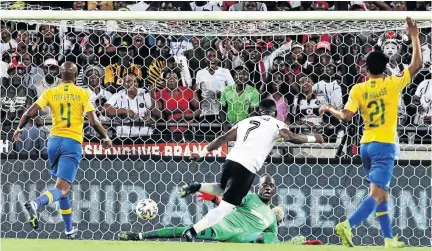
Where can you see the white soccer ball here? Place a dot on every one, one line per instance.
(146, 209)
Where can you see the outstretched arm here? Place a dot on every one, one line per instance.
(299, 139)
(231, 135)
(30, 113)
(344, 114)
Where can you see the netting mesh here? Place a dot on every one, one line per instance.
(166, 89)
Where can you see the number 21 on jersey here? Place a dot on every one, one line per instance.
(378, 107)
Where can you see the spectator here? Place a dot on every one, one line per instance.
(176, 103)
(87, 59)
(238, 101)
(377, 5)
(169, 6)
(306, 104)
(34, 74)
(15, 99)
(93, 76)
(295, 59)
(205, 6)
(210, 82)
(142, 49)
(23, 41)
(139, 6)
(47, 44)
(248, 6)
(423, 100)
(399, 6)
(100, 5)
(230, 50)
(159, 56)
(320, 6)
(276, 88)
(329, 92)
(129, 105)
(78, 5)
(7, 42)
(51, 77)
(115, 73)
(120, 5)
(260, 60)
(196, 56)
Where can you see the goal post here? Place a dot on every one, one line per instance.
(315, 189)
(215, 16)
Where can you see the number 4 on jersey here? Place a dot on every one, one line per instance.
(68, 114)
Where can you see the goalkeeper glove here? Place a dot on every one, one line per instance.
(280, 214)
(205, 196)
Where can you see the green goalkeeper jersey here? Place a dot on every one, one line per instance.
(252, 216)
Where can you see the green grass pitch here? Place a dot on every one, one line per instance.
(79, 245)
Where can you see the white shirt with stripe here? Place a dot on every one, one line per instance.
(141, 105)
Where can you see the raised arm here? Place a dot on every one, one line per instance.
(299, 139)
(416, 60)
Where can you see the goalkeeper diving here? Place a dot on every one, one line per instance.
(251, 222)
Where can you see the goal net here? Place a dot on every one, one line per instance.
(171, 72)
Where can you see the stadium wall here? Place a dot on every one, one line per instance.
(316, 195)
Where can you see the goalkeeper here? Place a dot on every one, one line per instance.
(251, 222)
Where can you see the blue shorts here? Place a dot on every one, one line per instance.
(378, 161)
(65, 155)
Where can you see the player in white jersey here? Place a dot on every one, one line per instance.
(254, 139)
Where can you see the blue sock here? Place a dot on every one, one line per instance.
(384, 220)
(66, 212)
(48, 197)
(363, 211)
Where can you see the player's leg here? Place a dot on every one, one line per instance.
(165, 233)
(236, 180)
(65, 156)
(209, 188)
(343, 229)
(168, 232)
(383, 157)
(53, 194)
(263, 238)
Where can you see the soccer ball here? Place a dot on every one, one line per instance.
(146, 209)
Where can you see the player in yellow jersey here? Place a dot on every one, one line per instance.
(377, 99)
(68, 104)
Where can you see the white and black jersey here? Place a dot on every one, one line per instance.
(424, 92)
(256, 137)
(141, 105)
(209, 6)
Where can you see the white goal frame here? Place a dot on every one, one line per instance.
(215, 16)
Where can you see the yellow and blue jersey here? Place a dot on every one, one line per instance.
(378, 100)
(68, 104)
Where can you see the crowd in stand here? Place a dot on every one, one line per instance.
(154, 88)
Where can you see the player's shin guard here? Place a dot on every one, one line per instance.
(66, 212)
(48, 197)
(363, 211)
(213, 216)
(384, 219)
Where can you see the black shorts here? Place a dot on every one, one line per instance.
(236, 181)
